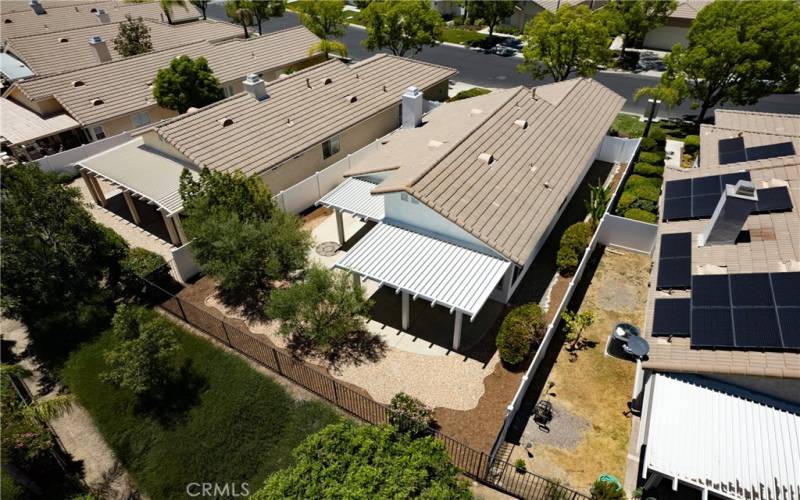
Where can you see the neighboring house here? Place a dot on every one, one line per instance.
(282, 132)
(465, 201)
(677, 26)
(28, 136)
(57, 52)
(528, 9)
(721, 384)
(117, 96)
(11, 70)
(26, 17)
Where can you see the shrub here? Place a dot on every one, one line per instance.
(652, 157)
(573, 242)
(636, 181)
(691, 144)
(141, 263)
(409, 414)
(625, 201)
(645, 191)
(458, 21)
(522, 327)
(657, 134)
(607, 490)
(519, 464)
(567, 260)
(507, 29)
(466, 94)
(641, 215)
(648, 144)
(648, 170)
(646, 205)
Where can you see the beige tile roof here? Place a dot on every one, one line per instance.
(510, 203)
(62, 15)
(688, 9)
(296, 117)
(774, 245)
(19, 124)
(124, 86)
(61, 51)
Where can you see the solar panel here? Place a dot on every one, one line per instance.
(671, 317)
(674, 273)
(678, 189)
(710, 291)
(677, 209)
(733, 178)
(706, 185)
(751, 290)
(790, 326)
(730, 145)
(712, 327)
(774, 199)
(786, 287)
(704, 206)
(756, 327)
(675, 245)
(770, 151)
(732, 157)
(697, 198)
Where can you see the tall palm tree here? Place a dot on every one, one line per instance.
(239, 11)
(328, 47)
(167, 5)
(43, 410)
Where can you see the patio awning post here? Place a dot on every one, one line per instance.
(173, 234)
(176, 218)
(89, 186)
(132, 208)
(340, 226)
(98, 190)
(406, 310)
(457, 330)
(356, 280)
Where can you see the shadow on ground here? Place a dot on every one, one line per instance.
(151, 219)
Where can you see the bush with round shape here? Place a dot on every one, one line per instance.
(646, 205)
(637, 180)
(625, 202)
(573, 242)
(652, 157)
(607, 490)
(646, 192)
(641, 215)
(657, 134)
(691, 144)
(142, 263)
(567, 261)
(648, 144)
(648, 170)
(522, 329)
(409, 414)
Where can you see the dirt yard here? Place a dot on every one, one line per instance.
(589, 432)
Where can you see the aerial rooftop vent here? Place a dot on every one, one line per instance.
(487, 158)
(256, 87)
(734, 207)
(434, 143)
(327, 80)
(93, 10)
(523, 124)
(102, 16)
(475, 111)
(101, 52)
(226, 122)
(8, 21)
(63, 40)
(78, 83)
(191, 110)
(351, 98)
(97, 102)
(37, 7)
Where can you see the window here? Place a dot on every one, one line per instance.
(99, 133)
(140, 119)
(227, 90)
(330, 147)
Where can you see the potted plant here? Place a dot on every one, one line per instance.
(519, 464)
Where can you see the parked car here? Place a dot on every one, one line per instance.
(502, 50)
(650, 61)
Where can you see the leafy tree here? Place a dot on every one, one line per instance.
(202, 5)
(133, 37)
(607, 490)
(142, 263)
(239, 12)
(492, 12)
(240, 237)
(576, 323)
(325, 314)
(262, 10)
(402, 26)
(143, 357)
(573, 39)
(186, 83)
(57, 262)
(167, 6)
(328, 47)
(409, 414)
(596, 203)
(738, 52)
(362, 4)
(345, 460)
(324, 18)
(634, 18)
(523, 327)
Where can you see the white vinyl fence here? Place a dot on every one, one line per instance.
(627, 233)
(65, 161)
(618, 150)
(183, 263)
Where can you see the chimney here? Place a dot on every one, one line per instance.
(734, 206)
(102, 16)
(412, 106)
(100, 49)
(255, 86)
(37, 7)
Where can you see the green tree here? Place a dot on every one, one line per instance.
(143, 359)
(168, 6)
(239, 12)
(634, 18)
(559, 43)
(186, 83)
(324, 18)
(202, 5)
(402, 26)
(133, 37)
(576, 323)
(522, 328)
(240, 237)
(409, 414)
(345, 460)
(328, 47)
(262, 10)
(491, 11)
(738, 52)
(57, 262)
(325, 315)
(596, 203)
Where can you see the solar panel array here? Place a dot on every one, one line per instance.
(675, 262)
(734, 151)
(672, 317)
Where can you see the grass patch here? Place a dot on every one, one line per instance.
(462, 36)
(626, 125)
(466, 94)
(353, 16)
(225, 421)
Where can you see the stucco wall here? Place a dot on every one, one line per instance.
(43, 107)
(665, 37)
(437, 92)
(123, 123)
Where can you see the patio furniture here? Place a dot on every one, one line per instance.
(636, 347)
(543, 412)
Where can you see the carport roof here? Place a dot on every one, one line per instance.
(353, 196)
(143, 171)
(425, 266)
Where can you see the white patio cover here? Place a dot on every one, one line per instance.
(440, 272)
(352, 196)
(723, 438)
(143, 171)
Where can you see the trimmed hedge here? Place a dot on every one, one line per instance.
(657, 134)
(649, 144)
(636, 180)
(522, 328)
(652, 157)
(573, 242)
(141, 262)
(648, 170)
(641, 215)
(691, 144)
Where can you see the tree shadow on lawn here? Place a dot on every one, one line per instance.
(170, 403)
(357, 348)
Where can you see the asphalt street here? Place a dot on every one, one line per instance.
(489, 70)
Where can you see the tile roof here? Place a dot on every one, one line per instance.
(124, 85)
(18, 21)
(295, 117)
(774, 244)
(688, 9)
(56, 52)
(19, 124)
(509, 203)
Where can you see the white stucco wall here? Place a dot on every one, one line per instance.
(665, 37)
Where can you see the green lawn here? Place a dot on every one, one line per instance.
(222, 422)
(461, 36)
(628, 125)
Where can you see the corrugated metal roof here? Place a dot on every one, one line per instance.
(425, 266)
(13, 68)
(142, 170)
(353, 196)
(724, 438)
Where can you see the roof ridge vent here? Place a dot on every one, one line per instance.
(308, 83)
(226, 121)
(523, 124)
(487, 158)
(351, 98)
(533, 93)
(327, 80)
(97, 102)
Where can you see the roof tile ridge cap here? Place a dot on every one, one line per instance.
(169, 121)
(10, 40)
(418, 61)
(369, 60)
(758, 113)
(513, 92)
(65, 5)
(305, 71)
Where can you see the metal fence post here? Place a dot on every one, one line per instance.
(225, 331)
(180, 306)
(277, 360)
(335, 393)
